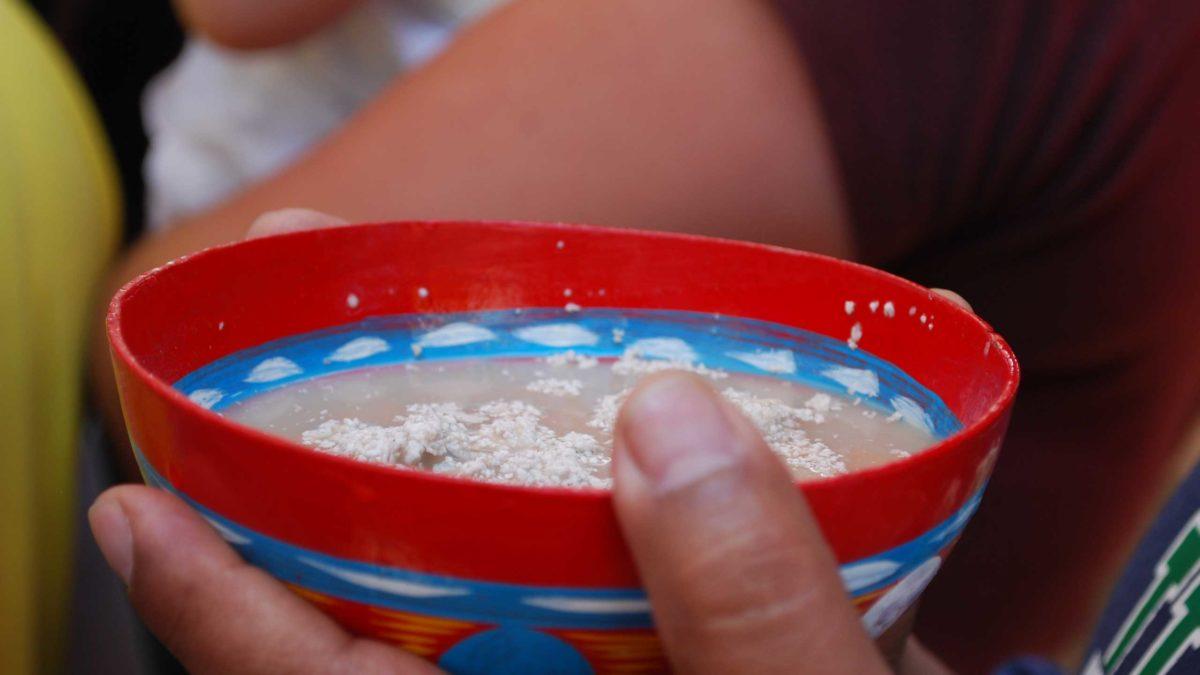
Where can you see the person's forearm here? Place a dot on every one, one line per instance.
(259, 24)
(690, 115)
(680, 114)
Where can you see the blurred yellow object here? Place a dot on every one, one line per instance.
(59, 223)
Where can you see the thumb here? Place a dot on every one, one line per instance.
(215, 612)
(283, 221)
(737, 570)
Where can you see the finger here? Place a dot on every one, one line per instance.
(917, 660)
(215, 612)
(283, 221)
(955, 298)
(739, 575)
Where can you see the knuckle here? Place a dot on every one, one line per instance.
(176, 603)
(745, 569)
(172, 616)
(745, 583)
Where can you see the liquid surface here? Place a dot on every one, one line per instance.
(539, 410)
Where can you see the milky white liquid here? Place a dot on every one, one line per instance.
(549, 421)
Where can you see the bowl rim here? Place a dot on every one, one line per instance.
(120, 349)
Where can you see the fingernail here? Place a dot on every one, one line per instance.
(111, 529)
(676, 430)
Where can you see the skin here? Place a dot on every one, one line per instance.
(260, 24)
(587, 111)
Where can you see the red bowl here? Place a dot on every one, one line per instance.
(471, 574)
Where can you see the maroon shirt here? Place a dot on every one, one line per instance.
(1042, 158)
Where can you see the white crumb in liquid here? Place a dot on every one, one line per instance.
(631, 363)
(912, 311)
(355, 439)
(874, 306)
(221, 325)
(572, 358)
(924, 318)
(560, 432)
(560, 244)
(352, 301)
(572, 307)
(601, 292)
(849, 306)
(507, 441)
(822, 403)
(782, 429)
(780, 424)
(552, 386)
(856, 333)
(566, 292)
(889, 309)
(422, 292)
(501, 441)
(604, 415)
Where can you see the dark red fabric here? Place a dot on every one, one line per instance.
(1041, 157)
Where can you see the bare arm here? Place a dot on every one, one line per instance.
(690, 115)
(257, 24)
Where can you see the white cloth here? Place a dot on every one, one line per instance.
(219, 119)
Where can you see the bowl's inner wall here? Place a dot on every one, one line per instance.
(231, 298)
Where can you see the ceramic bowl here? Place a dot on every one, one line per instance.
(494, 578)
